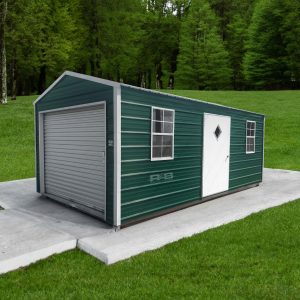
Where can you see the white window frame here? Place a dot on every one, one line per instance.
(162, 134)
(252, 136)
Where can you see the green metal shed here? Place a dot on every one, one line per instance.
(125, 154)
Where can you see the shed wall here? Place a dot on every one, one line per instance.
(177, 181)
(71, 91)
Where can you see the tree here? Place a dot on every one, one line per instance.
(272, 59)
(3, 75)
(203, 61)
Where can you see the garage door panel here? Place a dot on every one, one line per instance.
(71, 196)
(82, 150)
(74, 156)
(72, 168)
(73, 141)
(85, 189)
(62, 177)
(87, 115)
(77, 128)
(75, 124)
(75, 165)
(70, 173)
(92, 155)
(76, 133)
(74, 114)
(83, 160)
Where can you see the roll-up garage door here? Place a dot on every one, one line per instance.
(75, 158)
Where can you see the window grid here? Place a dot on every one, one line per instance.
(162, 134)
(250, 136)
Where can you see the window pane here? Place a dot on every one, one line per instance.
(167, 140)
(156, 152)
(250, 144)
(157, 140)
(167, 152)
(253, 125)
(168, 127)
(168, 115)
(158, 114)
(157, 127)
(248, 132)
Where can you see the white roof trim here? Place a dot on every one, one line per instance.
(186, 98)
(50, 88)
(77, 75)
(117, 84)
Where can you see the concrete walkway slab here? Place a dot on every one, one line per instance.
(24, 240)
(279, 187)
(34, 227)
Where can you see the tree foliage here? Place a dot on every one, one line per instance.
(272, 59)
(203, 62)
(201, 44)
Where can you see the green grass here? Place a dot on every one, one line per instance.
(254, 258)
(17, 139)
(282, 144)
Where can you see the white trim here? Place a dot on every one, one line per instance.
(162, 134)
(49, 88)
(93, 78)
(77, 75)
(263, 150)
(35, 143)
(117, 156)
(72, 107)
(187, 98)
(117, 84)
(254, 137)
(41, 153)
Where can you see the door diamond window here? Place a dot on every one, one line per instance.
(218, 132)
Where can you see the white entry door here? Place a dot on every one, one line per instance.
(216, 154)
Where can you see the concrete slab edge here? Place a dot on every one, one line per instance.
(125, 251)
(85, 247)
(24, 260)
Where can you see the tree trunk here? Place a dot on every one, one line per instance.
(3, 74)
(14, 79)
(42, 79)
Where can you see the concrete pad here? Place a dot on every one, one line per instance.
(21, 196)
(24, 240)
(279, 186)
(33, 227)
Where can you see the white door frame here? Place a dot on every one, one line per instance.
(41, 141)
(203, 131)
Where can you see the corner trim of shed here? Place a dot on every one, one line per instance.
(117, 156)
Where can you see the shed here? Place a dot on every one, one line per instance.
(125, 154)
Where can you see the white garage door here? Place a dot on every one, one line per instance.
(75, 158)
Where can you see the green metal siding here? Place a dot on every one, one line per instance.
(141, 196)
(72, 91)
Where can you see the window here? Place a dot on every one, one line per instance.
(250, 136)
(162, 134)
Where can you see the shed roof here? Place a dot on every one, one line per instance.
(117, 84)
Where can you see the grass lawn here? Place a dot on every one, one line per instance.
(282, 145)
(17, 139)
(254, 258)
